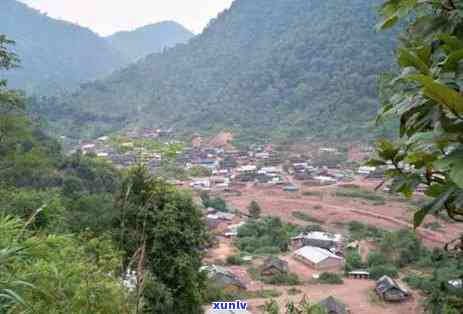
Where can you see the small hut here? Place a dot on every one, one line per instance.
(389, 290)
(274, 266)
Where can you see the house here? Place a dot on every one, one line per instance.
(389, 290)
(274, 266)
(333, 306)
(223, 279)
(318, 258)
(319, 239)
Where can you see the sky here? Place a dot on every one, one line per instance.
(109, 16)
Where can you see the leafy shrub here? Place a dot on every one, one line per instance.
(361, 194)
(235, 260)
(305, 217)
(265, 236)
(282, 279)
(330, 278)
(353, 261)
(375, 259)
(378, 271)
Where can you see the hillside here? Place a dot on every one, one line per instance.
(280, 69)
(54, 54)
(149, 39)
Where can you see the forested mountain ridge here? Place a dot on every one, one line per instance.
(149, 39)
(280, 68)
(58, 55)
(55, 54)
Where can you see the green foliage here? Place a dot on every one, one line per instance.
(378, 271)
(268, 235)
(426, 95)
(361, 194)
(53, 273)
(359, 231)
(305, 217)
(162, 229)
(330, 279)
(235, 260)
(198, 171)
(262, 69)
(353, 261)
(284, 279)
(375, 259)
(217, 203)
(254, 209)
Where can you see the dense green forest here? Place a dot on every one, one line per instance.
(58, 55)
(262, 68)
(149, 39)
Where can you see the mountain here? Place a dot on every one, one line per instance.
(263, 69)
(149, 39)
(54, 54)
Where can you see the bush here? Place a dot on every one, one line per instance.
(305, 217)
(265, 236)
(282, 279)
(378, 271)
(360, 193)
(376, 259)
(353, 261)
(330, 278)
(235, 260)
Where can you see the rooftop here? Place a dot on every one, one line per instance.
(315, 254)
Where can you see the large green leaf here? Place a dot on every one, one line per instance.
(453, 163)
(440, 93)
(433, 207)
(408, 58)
(451, 63)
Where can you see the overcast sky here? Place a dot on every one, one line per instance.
(108, 16)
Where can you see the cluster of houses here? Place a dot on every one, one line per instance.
(229, 167)
(126, 153)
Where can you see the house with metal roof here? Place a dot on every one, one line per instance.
(390, 290)
(320, 239)
(318, 258)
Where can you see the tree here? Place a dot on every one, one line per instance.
(254, 209)
(162, 233)
(426, 96)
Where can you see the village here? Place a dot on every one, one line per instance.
(316, 193)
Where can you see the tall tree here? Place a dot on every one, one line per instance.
(162, 232)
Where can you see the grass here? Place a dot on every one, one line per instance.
(305, 217)
(360, 194)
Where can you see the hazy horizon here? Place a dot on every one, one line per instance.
(126, 15)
